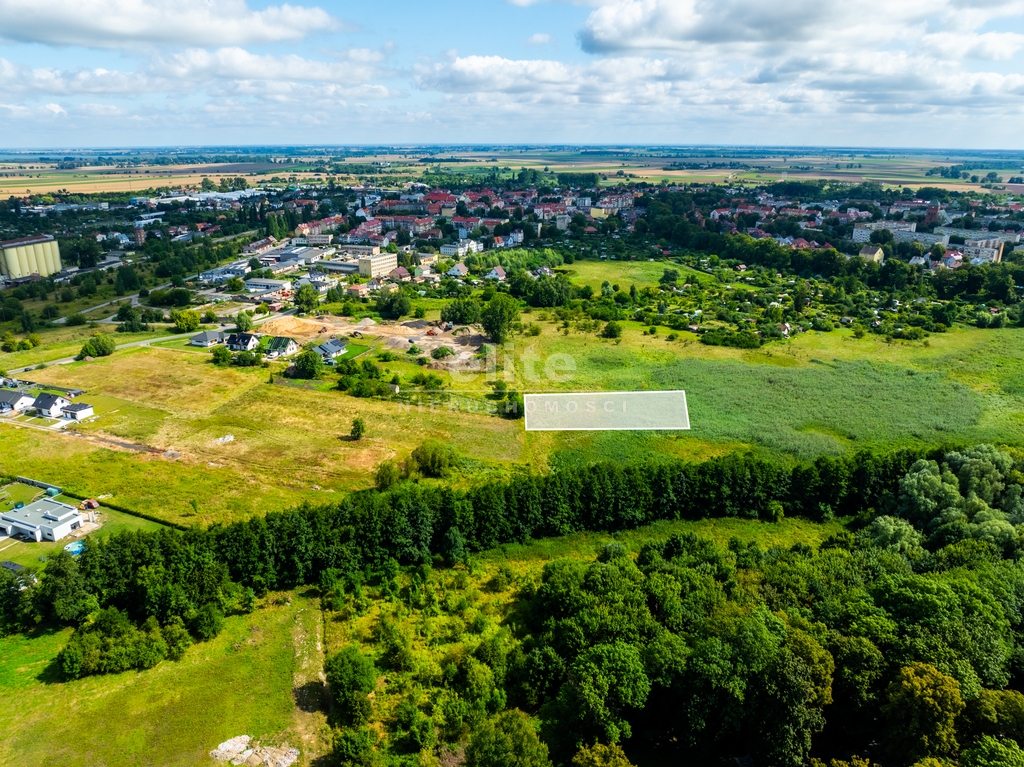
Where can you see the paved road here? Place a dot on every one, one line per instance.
(148, 342)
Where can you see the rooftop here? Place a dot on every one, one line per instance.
(42, 513)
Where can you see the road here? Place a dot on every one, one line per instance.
(148, 342)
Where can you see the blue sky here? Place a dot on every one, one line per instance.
(929, 73)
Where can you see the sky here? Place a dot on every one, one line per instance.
(866, 73)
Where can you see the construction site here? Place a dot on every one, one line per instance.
(465, 341)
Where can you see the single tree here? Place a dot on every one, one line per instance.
(358, 428)
(498, 317)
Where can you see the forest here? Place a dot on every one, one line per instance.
(895, 641)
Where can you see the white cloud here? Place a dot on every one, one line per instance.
(539, 38)
(120, 23)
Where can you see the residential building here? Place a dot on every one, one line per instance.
(862, 232)
(207, 338)
(15, 400)
(243, 342)
(378, 265)
(872, 253)
(497, 273)
(458, 271)
(331, 349)
(978, 234)
(924, 238)
(78, 411)
(42, 520)
(358, 291)
(279, 346)
(50, 405)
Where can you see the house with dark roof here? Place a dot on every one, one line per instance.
(278, 346)
(331, 349)
(50, 405)
(79, 411)
(243, 342)
(15, 400)
(207, 338)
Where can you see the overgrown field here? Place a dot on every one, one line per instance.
(241, 445)
(259, 677)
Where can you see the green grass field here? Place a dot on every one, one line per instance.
(239, 683)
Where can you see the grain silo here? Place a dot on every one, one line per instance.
(27, 256)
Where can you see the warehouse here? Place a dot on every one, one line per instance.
(28, 256)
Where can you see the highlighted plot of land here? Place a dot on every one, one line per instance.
(607, 411)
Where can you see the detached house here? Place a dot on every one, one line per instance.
(497, 273)
(459, 270)
(15, 400)
(279, 346)
(242, 342)
(207, 338)
(330, 350)
(50, 405)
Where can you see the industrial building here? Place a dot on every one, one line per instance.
(28, 256)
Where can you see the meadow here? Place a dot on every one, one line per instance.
(226, 443)
(241, 682)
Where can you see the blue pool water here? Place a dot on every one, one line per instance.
(75, 548)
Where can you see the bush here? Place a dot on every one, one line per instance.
(441, 352)
(612, 330)
(432, 459)
(358, 428)
(98, 346)
(309, 364)
(351, 676)
(208, 622)
(221, 356)
(74, 320)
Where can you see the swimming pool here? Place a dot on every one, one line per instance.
(75, 548)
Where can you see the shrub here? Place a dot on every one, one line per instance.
(74, 320)
(351, 676)
(98, 346)
(208, 622)
(432, 458)
(221, 355)
(441, 352)
(612, 330)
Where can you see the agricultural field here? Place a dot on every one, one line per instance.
(261, 674)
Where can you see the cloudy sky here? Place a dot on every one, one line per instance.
(927, 73)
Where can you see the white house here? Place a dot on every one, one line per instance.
(50, 405)
(78, 411)
(207, 338)
(242, 342)
(497, 273)
(331, 349)
(459, 270)
(15, 400)
(43, 520)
